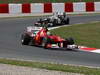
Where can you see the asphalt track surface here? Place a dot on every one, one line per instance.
(10, 46)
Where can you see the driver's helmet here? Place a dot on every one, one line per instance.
(48, 33)
(45, 21)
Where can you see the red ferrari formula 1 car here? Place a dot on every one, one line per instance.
(46, 40)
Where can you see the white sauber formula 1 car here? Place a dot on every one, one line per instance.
(54, 20)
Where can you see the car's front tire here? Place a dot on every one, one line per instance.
(67, 20)
(70, 41)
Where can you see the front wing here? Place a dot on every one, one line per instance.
(67, 47)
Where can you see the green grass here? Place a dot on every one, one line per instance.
(38, 1)
(57, 67)
(84, 34)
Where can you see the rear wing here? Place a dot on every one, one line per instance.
(33, 28)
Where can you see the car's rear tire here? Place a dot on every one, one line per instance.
(55, 22)
(67, 20)
(25, 39)
(31, 42)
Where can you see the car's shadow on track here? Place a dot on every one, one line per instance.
(57, 49)
(60, 49)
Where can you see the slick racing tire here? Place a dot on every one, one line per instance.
(55, 22)
(25, 39)
(31, 42)
(70, 41)
(67, 20)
